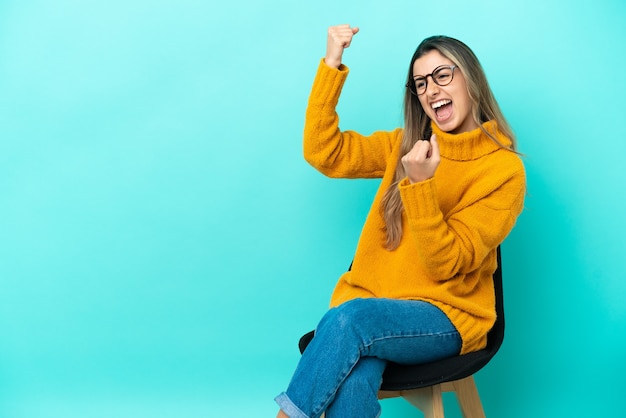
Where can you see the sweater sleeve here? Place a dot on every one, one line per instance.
(458, 242)
(336, 153)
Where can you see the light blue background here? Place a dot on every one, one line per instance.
(164, 244)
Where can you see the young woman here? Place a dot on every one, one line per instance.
(420, 287)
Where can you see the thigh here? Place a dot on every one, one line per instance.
(402, 331)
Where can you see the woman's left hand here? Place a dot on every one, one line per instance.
(422, 161)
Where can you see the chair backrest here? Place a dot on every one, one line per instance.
(496, 334)
(399, 377)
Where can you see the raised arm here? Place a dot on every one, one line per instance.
(337, 153)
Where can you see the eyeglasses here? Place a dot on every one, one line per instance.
(442, 76)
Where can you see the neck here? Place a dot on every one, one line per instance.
(472, 144)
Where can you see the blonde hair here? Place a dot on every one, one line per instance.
(417, 123)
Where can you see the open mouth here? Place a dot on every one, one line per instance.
(443, 109)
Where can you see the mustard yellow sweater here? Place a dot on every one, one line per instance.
(452, 223)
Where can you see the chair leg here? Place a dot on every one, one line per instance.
(469, 400)
(430, 402)
(427, 399)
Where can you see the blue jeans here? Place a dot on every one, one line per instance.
(341, 370)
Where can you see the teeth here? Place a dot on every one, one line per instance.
(440, 103)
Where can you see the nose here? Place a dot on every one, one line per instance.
(431, 87)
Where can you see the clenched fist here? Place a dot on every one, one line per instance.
(339, 38)
(422, 161)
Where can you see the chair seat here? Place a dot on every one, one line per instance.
(400, 377)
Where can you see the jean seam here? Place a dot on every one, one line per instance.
(410, 335)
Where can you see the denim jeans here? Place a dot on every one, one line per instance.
(341, 370)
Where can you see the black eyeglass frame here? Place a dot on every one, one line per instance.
(413, 88)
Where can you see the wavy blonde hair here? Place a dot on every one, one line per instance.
(417, 123)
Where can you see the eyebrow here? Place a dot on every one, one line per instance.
(415, 77)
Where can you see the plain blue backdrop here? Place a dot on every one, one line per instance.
(164, 244)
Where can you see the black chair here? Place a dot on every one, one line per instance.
(422, 385)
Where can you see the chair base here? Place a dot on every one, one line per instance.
(430, 402)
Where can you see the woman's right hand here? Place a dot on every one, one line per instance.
(339, 38)
(421, 162)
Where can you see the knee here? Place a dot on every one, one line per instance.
(344, 317)
(366, 376)
(357, 385)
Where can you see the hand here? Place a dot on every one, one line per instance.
(339, 38)
(422, 161)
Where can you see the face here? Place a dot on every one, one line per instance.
(448, 106)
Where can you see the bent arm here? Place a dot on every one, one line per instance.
(336, 153)
(458, 242)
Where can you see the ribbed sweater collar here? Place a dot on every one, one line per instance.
(470, 145)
